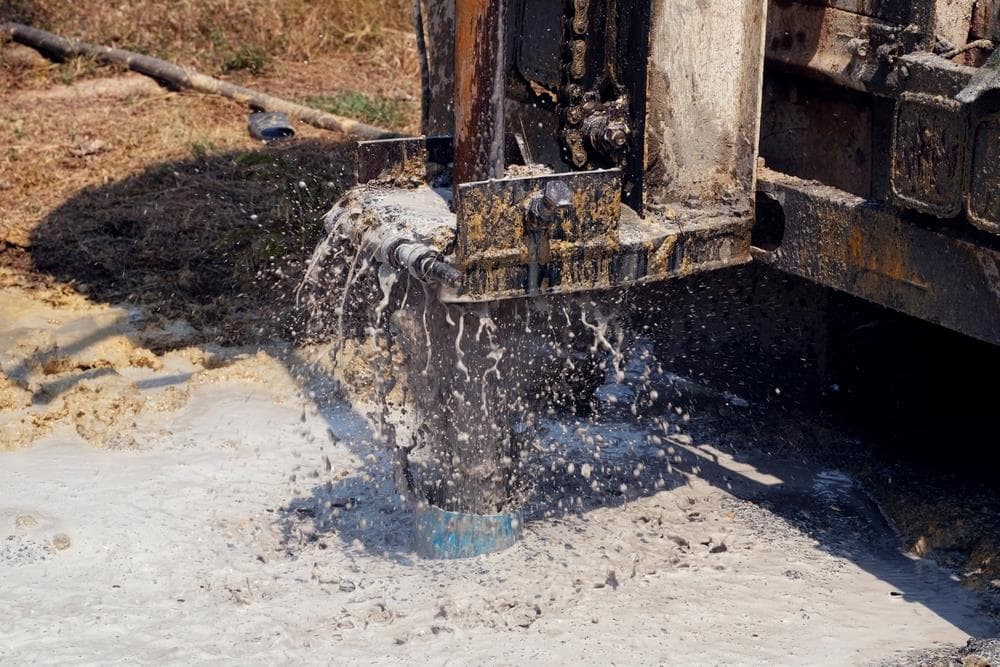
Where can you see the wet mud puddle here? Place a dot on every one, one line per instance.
(645, 541)
(658, 521)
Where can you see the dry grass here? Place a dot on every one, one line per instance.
(214, 34)
(171, 206)
(162, 199)
(279, 46)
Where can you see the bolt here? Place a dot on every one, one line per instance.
(543, 208)
(441, 271)
(557, 195)
(615, 136)
(858, 47)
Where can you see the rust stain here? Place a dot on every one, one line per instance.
(659, 260)
(883, 260)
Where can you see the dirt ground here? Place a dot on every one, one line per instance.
(180, 485)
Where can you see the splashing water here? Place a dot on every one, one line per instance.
(458, 393)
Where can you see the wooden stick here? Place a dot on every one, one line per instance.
(50, 44)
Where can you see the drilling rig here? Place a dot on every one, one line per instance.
(583, 145)
(589, 144)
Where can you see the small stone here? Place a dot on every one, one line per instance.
(61, 542)
(380, 615)
(89, 146)
(679, 541)
(347, 586)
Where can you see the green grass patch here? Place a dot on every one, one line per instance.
(247, 58)
(75, 68)
(201, 148)
(382, 111)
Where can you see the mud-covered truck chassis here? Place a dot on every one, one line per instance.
(593, 143)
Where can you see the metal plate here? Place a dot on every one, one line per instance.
(616, 250)
(928, 154)
(492, 249)
(393, 159)
(984, 187)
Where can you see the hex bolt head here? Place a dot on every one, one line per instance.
(557, 195)
(543, 208)
(858, 47)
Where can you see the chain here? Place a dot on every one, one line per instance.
(593, 131)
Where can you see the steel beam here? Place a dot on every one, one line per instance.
(945, 274)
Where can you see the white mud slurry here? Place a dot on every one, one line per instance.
(247, 523)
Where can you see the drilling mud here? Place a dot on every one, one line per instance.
(456, 390)
(257, 517)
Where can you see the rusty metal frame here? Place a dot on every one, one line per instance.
(602, 244)
(945, 275)
(480, 77)
(406, 159)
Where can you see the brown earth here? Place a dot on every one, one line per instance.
(118, 193)
(129, 192)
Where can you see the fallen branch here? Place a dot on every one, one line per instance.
(176, 76)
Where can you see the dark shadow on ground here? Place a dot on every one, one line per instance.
(217, 240)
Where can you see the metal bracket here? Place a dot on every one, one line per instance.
(929, 148)
(494, 231)
(413, 159)
(983, 199)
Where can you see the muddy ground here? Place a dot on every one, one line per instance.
(179, 483)
(214, 502)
